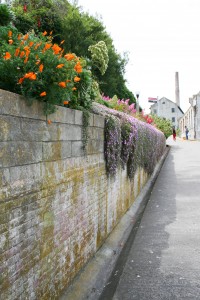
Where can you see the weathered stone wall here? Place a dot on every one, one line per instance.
(57, 205)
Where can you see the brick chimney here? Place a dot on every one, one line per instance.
(177, 94)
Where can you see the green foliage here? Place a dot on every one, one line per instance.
(40, 16)
(163, 125)
(6, 15)
(36, 68)
(99, 54)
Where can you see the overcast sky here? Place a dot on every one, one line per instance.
(162, 37)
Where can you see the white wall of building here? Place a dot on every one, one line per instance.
(167, 109)
(191, 119)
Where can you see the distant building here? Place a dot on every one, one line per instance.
(167, 109)
(191, 119)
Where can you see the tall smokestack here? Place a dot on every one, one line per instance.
(177, 94)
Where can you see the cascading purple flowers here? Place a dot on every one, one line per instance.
(130, 142)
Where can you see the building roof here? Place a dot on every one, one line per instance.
(166, 99)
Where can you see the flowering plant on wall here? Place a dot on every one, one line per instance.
(130, 142)
(37, 68)
(119, 104)
(99, 54)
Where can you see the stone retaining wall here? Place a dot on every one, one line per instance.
(57, 205)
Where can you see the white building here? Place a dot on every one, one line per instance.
(191, 119)
(167, 109)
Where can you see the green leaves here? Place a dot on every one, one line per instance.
(5, 15)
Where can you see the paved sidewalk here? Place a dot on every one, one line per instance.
(164, 259)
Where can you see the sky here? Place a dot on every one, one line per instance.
(161, 37)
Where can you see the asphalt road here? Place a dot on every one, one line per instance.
(163, 259)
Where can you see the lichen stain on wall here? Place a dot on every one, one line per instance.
(57, 210)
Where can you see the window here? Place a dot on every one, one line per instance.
(163, 103)
(173, 109)
(173, 119)
(155, 111)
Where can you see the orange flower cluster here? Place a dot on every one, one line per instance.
(43, 94)
(76, 79)
(7, 56)
(69, 56)
(62, 84)
(78, 67)
(41, 67)
(56, 49)
(35, 50)
(30, 76)
(60, 66)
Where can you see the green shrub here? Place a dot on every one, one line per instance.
(5, 15)
(36, 68)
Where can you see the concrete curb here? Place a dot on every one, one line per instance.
(91, 281)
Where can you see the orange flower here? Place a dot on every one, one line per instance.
(44, 33)
(26, 36)
(62, 84)
(43, 94)
(28, 52)
(51, 32)
(22, 54)
(41, 67)
(31, 43)
(26, 48)
(66, 102)
(56, 49)
(76, 79)
(37, 45)
(30, 75)
(68, 80)
(20, 81)
(17, 52)
(37, 62)
(19, 36)
(74, 88)
(33, 77)
(26, 59)
(78, 67)
(7, 56)
(47, 46)
(9, 33)
(10, 42)
(49, 122)
(69, 56)
(60, 66)
(62, 42)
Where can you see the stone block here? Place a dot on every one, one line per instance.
(56, 150)
(95, 146)
(78, 117)
(33, 110)
(19, 153)
(10, 129)
(96, 133)
(91, 120)
(99, 121)
(25, 179)
(37, 130)
(16, 105)
(69, 132)
(4, 177)
(9, 103)
(77, 149)
(63, 115)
